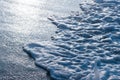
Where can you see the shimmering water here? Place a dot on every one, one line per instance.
(22, 22)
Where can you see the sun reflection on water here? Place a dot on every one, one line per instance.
(26, 15)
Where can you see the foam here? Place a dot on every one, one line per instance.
(86, 45)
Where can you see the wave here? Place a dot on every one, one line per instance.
(86, 45)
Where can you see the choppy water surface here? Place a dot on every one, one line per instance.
(86, 45)
(22, 22)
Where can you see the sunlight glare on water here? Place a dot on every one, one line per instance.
(26, 15)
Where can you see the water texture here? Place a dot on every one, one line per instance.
(86, 45)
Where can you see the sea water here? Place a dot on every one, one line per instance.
(86, 45)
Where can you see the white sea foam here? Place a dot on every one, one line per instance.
(86, 45)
